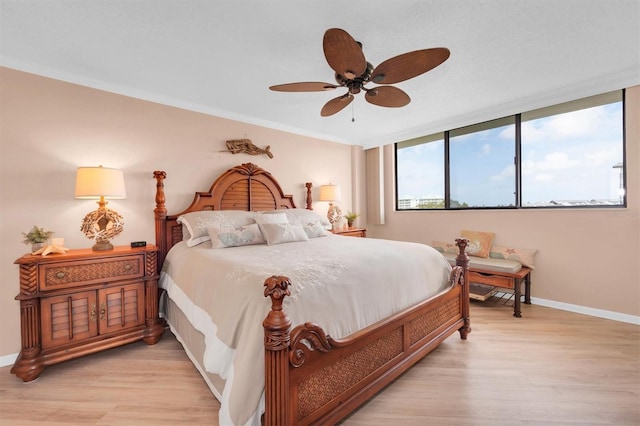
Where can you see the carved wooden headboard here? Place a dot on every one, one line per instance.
(244, 187)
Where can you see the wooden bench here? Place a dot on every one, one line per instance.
(499, 273)
(508, 280)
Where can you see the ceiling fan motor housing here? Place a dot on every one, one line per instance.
(356, 84)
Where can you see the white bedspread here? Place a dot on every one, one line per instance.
(341, 283)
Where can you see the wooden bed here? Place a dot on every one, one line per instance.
(311, 378)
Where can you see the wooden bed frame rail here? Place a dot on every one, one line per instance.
(311, 378)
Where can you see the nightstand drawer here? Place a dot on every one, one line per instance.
(91, 271)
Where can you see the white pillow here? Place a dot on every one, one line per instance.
(315, 230)
(279, 233)
(268, 217)
(196, 223)
(301, 216)
(235, 237)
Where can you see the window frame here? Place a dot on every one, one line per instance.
(518, 169)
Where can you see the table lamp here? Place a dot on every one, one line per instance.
(100, 183)
(332, 193)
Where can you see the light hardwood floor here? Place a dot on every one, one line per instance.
(549, 367)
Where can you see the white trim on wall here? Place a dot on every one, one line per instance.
(8, 359)
(600, 313)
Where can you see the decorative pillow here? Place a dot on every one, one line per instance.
(279, 233)
(443, 247)
(524, 256)
(315, 230)
(301, 216)
(235, 237)
(479, 242)
(196, 223)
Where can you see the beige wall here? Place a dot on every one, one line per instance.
(49, 128)
(587, 257)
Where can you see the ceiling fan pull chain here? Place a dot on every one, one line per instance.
(353, 119)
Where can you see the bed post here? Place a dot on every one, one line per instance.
(277, 327)
(308, 186)
(463, 260)
(160, 213)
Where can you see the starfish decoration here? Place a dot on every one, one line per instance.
(51, 248)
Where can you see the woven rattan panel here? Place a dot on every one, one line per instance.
(427, 323)
(346, 372)
(176, 235)
(92, 271)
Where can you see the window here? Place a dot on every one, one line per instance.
(572, 154)
(568, 155)
(420, 173)
(482, 172)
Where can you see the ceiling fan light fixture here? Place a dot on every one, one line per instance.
(350, 75)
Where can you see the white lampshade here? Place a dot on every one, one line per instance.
(330, 193)
(95, 182)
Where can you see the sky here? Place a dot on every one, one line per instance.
(564, 157)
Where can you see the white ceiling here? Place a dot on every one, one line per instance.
(220, 57)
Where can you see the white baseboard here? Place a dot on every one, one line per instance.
(8, 359)
(600, 313)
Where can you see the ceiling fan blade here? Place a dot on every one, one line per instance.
(409, 65)
(387, 96)
(336, 104)
(308, 86)
(343, 53)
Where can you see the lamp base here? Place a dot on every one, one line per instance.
(102, 246)
(101, 226)
(334, 214)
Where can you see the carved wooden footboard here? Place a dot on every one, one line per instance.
(311, 378)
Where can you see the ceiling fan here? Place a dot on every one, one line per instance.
(353, 72)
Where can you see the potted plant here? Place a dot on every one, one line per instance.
(36, 237)
(351, 217)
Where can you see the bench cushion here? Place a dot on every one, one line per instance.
(524, 256)
(488, 264)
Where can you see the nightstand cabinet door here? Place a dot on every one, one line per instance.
(69, 318)
(121, 307)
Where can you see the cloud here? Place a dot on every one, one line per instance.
(543, 177)
(586, 125)
(552, 161)
(507, 173)
(601, 157)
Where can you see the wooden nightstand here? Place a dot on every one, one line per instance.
(351, 232)
(85, 301)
